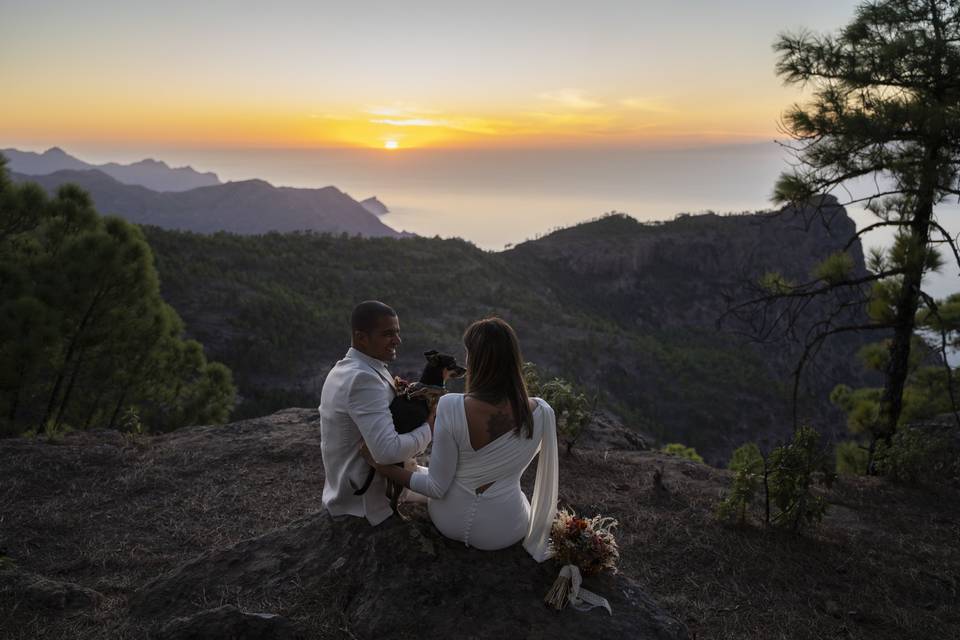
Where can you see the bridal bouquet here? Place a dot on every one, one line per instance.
(584, 546)
(586, 543)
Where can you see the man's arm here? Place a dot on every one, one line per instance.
(365, 406)
(434, 481)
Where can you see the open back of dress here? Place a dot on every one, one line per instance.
(500, 515)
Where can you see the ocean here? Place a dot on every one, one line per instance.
(497, 198)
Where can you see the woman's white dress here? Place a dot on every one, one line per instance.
(501, 515)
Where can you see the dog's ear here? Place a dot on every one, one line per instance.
(431, 355)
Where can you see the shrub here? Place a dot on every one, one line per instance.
(572, 408)
(851, 458)
(683, 451)
(919, 455)
(792, 468)
(749, 467)
(784, 479)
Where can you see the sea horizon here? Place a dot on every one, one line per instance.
(497, 198)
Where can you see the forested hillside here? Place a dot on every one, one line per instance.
(627, 311)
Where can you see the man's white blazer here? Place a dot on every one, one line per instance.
(355, 408)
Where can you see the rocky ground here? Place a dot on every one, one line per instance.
(107, 535)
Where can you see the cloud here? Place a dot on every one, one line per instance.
(412, 122)
(464, 124)
(571, 99)
(400, 110)
(644, 104)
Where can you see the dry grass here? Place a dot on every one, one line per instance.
(110, 512)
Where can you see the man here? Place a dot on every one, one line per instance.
(355, 409)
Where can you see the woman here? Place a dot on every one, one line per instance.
(483, 441)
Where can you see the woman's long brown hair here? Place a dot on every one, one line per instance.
(495, 369)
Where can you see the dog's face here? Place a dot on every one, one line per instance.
(446, 363)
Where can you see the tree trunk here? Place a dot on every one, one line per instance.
(69, 391)
(891, 401)
(766, 493)
(94, 407)
(871, 452)
(15, 401)
(116, 410)
(68, 357)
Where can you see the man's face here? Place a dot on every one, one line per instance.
(382, 342)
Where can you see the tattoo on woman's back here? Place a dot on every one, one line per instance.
(498, 424)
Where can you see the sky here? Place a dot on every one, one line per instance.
(396, 75)
(489, 120)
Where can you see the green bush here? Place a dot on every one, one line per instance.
(919, 456)
(572, 408)
(792, 469)
(682, 451)
(851, 458)
(748, 466)
(784, 481)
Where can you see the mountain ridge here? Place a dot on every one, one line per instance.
(245, 207)
(150, 173)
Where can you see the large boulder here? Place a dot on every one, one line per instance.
(401, 579)
(605, 431)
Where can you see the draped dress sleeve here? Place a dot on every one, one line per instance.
(543, 506)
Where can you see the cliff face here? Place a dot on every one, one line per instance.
(693, 262)
(675, 281)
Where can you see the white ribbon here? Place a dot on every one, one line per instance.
(579, 598)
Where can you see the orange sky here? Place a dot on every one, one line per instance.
(302, 74)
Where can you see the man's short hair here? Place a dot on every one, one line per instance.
(366, 315)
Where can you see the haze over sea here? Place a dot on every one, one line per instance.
(498, 197)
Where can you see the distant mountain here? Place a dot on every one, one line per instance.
(246, 207)
(149, 173)
(374, 206)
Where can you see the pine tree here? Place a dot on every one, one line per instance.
(85, 336)
(885, 106)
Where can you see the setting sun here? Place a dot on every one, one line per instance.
(390, 144)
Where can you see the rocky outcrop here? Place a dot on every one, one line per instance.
(699, 378)
(676, 273)
(401, 579)
(607, 432)
(374, 206)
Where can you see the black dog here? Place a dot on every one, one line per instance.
(412, 405)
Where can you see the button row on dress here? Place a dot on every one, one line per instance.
(470, 516)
